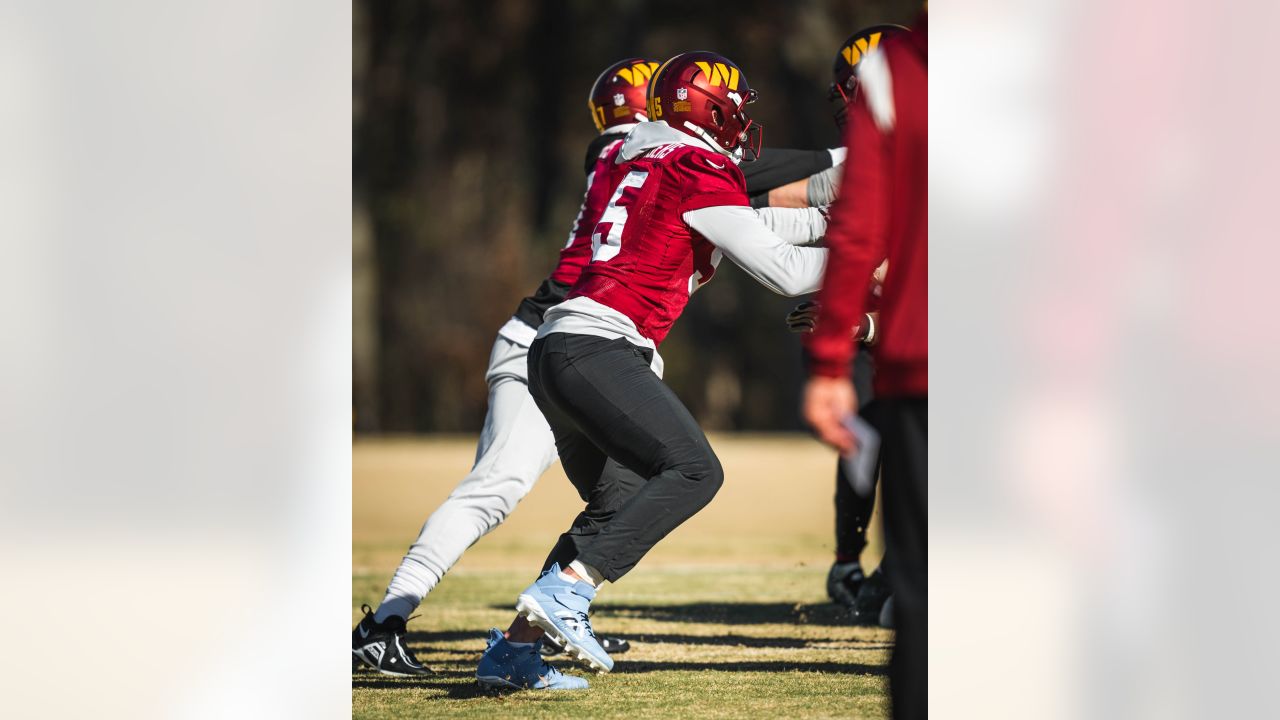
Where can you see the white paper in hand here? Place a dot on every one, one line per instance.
(860, 467)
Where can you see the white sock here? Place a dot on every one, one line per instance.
(519, 645)
(591, 575)
(403, 607)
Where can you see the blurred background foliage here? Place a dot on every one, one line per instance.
(470, 124)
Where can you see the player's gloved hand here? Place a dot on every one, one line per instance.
(804, 318)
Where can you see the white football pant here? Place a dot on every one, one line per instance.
(516, 447)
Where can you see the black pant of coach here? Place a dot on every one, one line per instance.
(904, 484)
(630, 447)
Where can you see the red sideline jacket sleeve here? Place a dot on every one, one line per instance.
(884, 213)
(855, 239)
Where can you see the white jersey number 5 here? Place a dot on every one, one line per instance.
(606, 239)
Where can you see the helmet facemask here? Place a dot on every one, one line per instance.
(749, 139)
(841, 99)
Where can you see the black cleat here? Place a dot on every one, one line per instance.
(381, 646)
(871, 599)
(886, 614)
(611, 645)
(843, 582)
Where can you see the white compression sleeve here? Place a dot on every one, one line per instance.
(822, 188)
(797, 226)
(744, 238)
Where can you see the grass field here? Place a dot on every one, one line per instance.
(727, 617)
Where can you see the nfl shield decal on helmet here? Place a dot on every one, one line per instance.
(619, 99)
(682, 93)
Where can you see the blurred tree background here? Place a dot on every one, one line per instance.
(470, 124)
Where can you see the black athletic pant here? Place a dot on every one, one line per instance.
(853, 511)
(904, 426)
(617, 486)
(853, 514)
(604, 403)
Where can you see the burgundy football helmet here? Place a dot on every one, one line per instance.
(705, 95)
(844, 85)
(618, 95)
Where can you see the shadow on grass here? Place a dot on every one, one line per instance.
(462, 687)
(734, 613)
(835, 668)
(386, 683)
(727, 613)
(751, 642)
(444, 636)
(432, 640)
(461, 684)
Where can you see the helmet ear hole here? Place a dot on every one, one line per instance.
(717, 117)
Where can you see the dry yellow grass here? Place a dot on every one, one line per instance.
(775, 506)
(728, 615)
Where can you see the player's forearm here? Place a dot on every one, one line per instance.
(744, 238)
(791, 195)
(780, 166)
(815, 189)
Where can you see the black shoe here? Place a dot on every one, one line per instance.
(611, 645)
(843, 582)
(871, 598)
(886, 614)
(381, 646)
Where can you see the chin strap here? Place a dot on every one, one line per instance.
(704, 136)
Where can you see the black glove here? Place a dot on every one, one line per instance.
(804, 318)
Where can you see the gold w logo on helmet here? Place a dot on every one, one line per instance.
(853, 54)
(719, 73)
(638, 74)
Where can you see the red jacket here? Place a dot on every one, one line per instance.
(883, 211)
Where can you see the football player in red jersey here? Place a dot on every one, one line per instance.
(516, 445)
(594, 369)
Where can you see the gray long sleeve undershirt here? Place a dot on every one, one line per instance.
(744, 238)
(796, 226)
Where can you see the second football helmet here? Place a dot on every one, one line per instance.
(618, 96)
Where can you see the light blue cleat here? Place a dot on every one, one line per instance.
(560, 608)
(506, 667)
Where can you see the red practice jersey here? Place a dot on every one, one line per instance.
(646, 260)
(602, 179)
